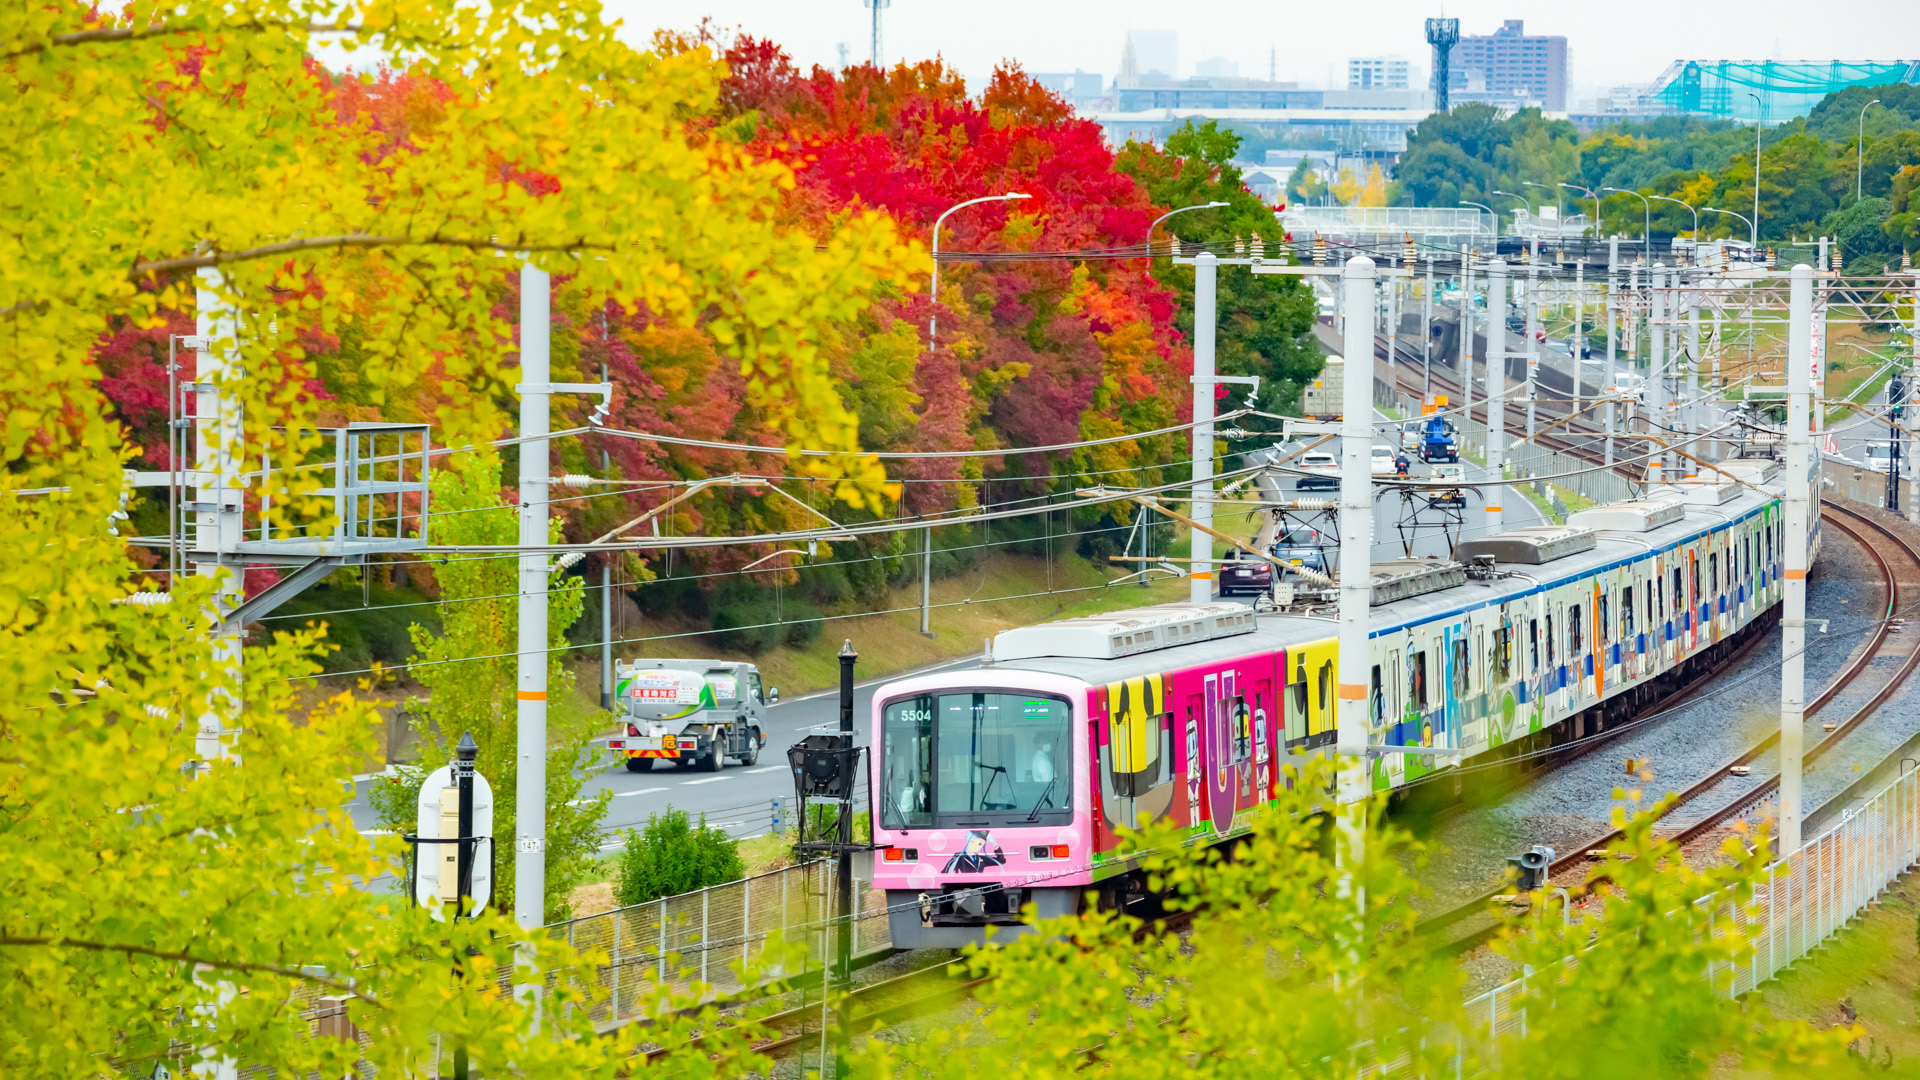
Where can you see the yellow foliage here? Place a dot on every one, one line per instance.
(151, 913)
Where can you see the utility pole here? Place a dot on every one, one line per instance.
(1913, 373)
(1352, 723)
(878, 6)
(843, 865)
(1205, 272)
(1496, 390)
(926, 582)
(606, 589)
(1533, 341)
(1578, 343)
(217, 509)
(1657, 372)
(530, 748)
(1612, 387)
(1466, 334)
(1896, 407)
(1695, 425)
(1426, 335)
(1800, 481)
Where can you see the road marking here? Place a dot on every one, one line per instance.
(642, 791)
(768, 768)
(708, 780)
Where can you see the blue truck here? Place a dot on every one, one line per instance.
(1437, 444)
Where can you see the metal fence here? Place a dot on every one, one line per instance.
(1806, 898)
(706, 936)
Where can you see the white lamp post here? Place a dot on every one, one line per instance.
(933, 315)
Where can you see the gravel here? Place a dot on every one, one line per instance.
(1571, 803)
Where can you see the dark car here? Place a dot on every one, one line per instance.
(1301, 547)
(1242, 573)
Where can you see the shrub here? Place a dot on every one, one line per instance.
(669, 856)
(747, 626)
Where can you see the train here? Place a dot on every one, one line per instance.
(1004, 784)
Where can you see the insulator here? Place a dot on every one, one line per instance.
(568, 561)
(576, 480)
(145, 599)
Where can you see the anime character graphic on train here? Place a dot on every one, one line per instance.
(1007, 783)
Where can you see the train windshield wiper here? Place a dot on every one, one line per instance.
(1034, 814)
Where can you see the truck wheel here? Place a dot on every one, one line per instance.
(752, 756)
(639, 764)
(714, 760)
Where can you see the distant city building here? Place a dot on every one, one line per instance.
(1377, 73)
(1617, 105)
(1366, 122)
(1515, 68)
(1150, 53)
(1081, 89)
(1216, 67)
(1787, 89)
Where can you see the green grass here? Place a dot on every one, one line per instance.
(1871, 969)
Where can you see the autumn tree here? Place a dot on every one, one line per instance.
(161, 903)
(1265, 322)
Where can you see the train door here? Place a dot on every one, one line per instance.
(1264, 715)
(1191, 713)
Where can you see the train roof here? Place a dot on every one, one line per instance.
(1272, 631)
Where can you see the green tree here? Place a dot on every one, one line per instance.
(1304, 185)
(670, 856)
(1298, 963)
(1265, 322)
(167, 901)
(468, 672)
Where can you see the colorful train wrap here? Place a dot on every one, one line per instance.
(1005, 784)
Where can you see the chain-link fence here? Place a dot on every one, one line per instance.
(1805, 898)
(708, 936)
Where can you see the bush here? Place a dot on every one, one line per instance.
(747, 626)
(669, 857)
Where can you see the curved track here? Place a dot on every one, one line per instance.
(1854, 525)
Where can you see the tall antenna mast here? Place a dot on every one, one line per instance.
(877, 6)
(1443, 35)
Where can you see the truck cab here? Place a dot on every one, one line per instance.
(693, 713)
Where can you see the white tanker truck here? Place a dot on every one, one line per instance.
(693, 713)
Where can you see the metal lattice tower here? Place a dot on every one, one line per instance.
(1443, 35)
(877, 6)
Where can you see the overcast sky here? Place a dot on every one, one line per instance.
(1611, 42)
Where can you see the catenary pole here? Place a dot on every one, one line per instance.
(1496, 390)
(1352, 722)
(530, 748)
(1657, 381)
(1613, 375)
(1206, 270)
(1800, 480)
(1466, 334)
(1533, 342)
(217, 514)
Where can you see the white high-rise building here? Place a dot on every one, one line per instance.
(1216, 67)
(1377, 73)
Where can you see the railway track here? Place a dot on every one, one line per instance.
(1730, 784)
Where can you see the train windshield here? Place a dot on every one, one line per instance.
(976, 758)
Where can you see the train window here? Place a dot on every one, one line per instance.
(1394, 686)
(1326, 690)
(1378, 698)
(1461, 669)
(1576, 636)
(1417, 679)
(1533, 646)
(1713, 574)
(1001, 758)
(907, 763)
(1677, 602)
(1552, 652)
(1626, 612)
(1606, 625)
(1693, 580)
(1502, 655)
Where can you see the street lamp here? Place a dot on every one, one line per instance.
(933, 313)
(1597, 230)
(1646, 233)
(1488, 209)
(1729, 213)
(1549, 187)
(1690, 210)
(1170, 213)
(1759, 108)
(1860, 147)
